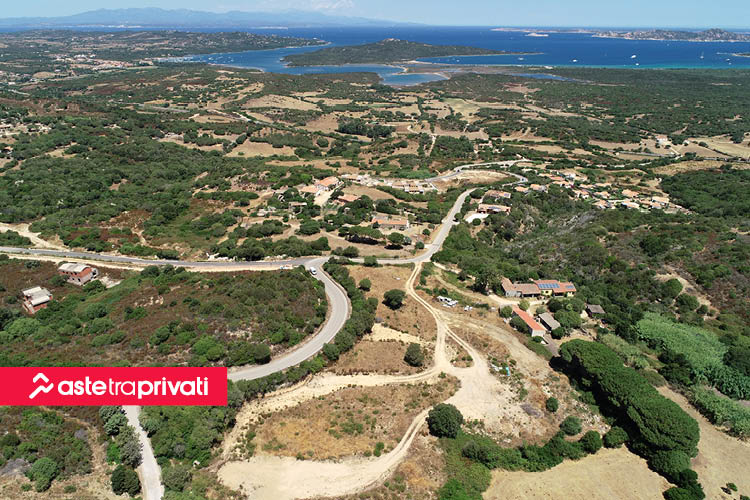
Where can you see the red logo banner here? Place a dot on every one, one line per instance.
(56, 386)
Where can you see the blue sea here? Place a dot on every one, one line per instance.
(556, 49)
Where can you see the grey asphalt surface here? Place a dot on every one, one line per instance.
(149, 470)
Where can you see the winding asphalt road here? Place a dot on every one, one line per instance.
(149, 470)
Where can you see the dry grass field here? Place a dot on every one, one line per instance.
(608, 475)
(411, 318)
(348, 422)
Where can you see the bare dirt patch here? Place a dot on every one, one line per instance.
(386, 357)
(279, 101)
(348, 422)
(411, 318)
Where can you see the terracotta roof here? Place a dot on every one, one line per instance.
(527, 318)
(348, 198)
(390, 222)
(328, 181)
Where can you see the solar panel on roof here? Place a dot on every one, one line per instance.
(547, 286)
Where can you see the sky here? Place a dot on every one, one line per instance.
(600, 13)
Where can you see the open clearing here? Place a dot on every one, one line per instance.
(608, 475)
(350, 421)
(721, 458)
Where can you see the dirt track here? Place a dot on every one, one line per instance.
(267, 477)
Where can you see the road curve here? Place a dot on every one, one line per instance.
(149, 470)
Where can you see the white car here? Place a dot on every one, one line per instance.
(313, 271)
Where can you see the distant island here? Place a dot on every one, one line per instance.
(742, 54)
(385, 52)
(712, 35)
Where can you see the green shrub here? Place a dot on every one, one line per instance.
(414, 355)
(591, 442)
(43, 472)
(125, 480)
(723, 411)
(615, 437)
(552, 404)
(394, 299)
(370, 261)
(176, 477)
(571, 426)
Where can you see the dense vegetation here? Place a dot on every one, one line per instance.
(658, 428)
(230, 319)
(55, 446)
(385, 51)
(715, 193)
(470, 457)
(694, 356)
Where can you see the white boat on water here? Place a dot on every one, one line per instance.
(539, 35)
(633, 56)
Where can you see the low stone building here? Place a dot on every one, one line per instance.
(36, 299)
(77, 274)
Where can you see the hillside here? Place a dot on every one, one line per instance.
(159, 18)
(385, 51)
(712, 35)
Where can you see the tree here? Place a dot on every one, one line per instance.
(519, 324)
(331, 351)
(176, 477)
(444, 420)
(394, 298)
(552, 404)
(371, 261)
(125, 480)
(43, 472)
(365, 284)
(568, 319)
(350, 252)
(672, 288)
(114, 423)
(414, 355)
(23, 327)
(105, 412)
(686, 303)
(669, 463)
(571, 426)
(506, 312)
(130, 447)
(309, 227)
(261, 354)
(396, 239)
(524, 305)
(615, 437)
(591, 442)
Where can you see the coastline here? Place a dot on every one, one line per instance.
(632, 39)
(412, 61)
(207, 54)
